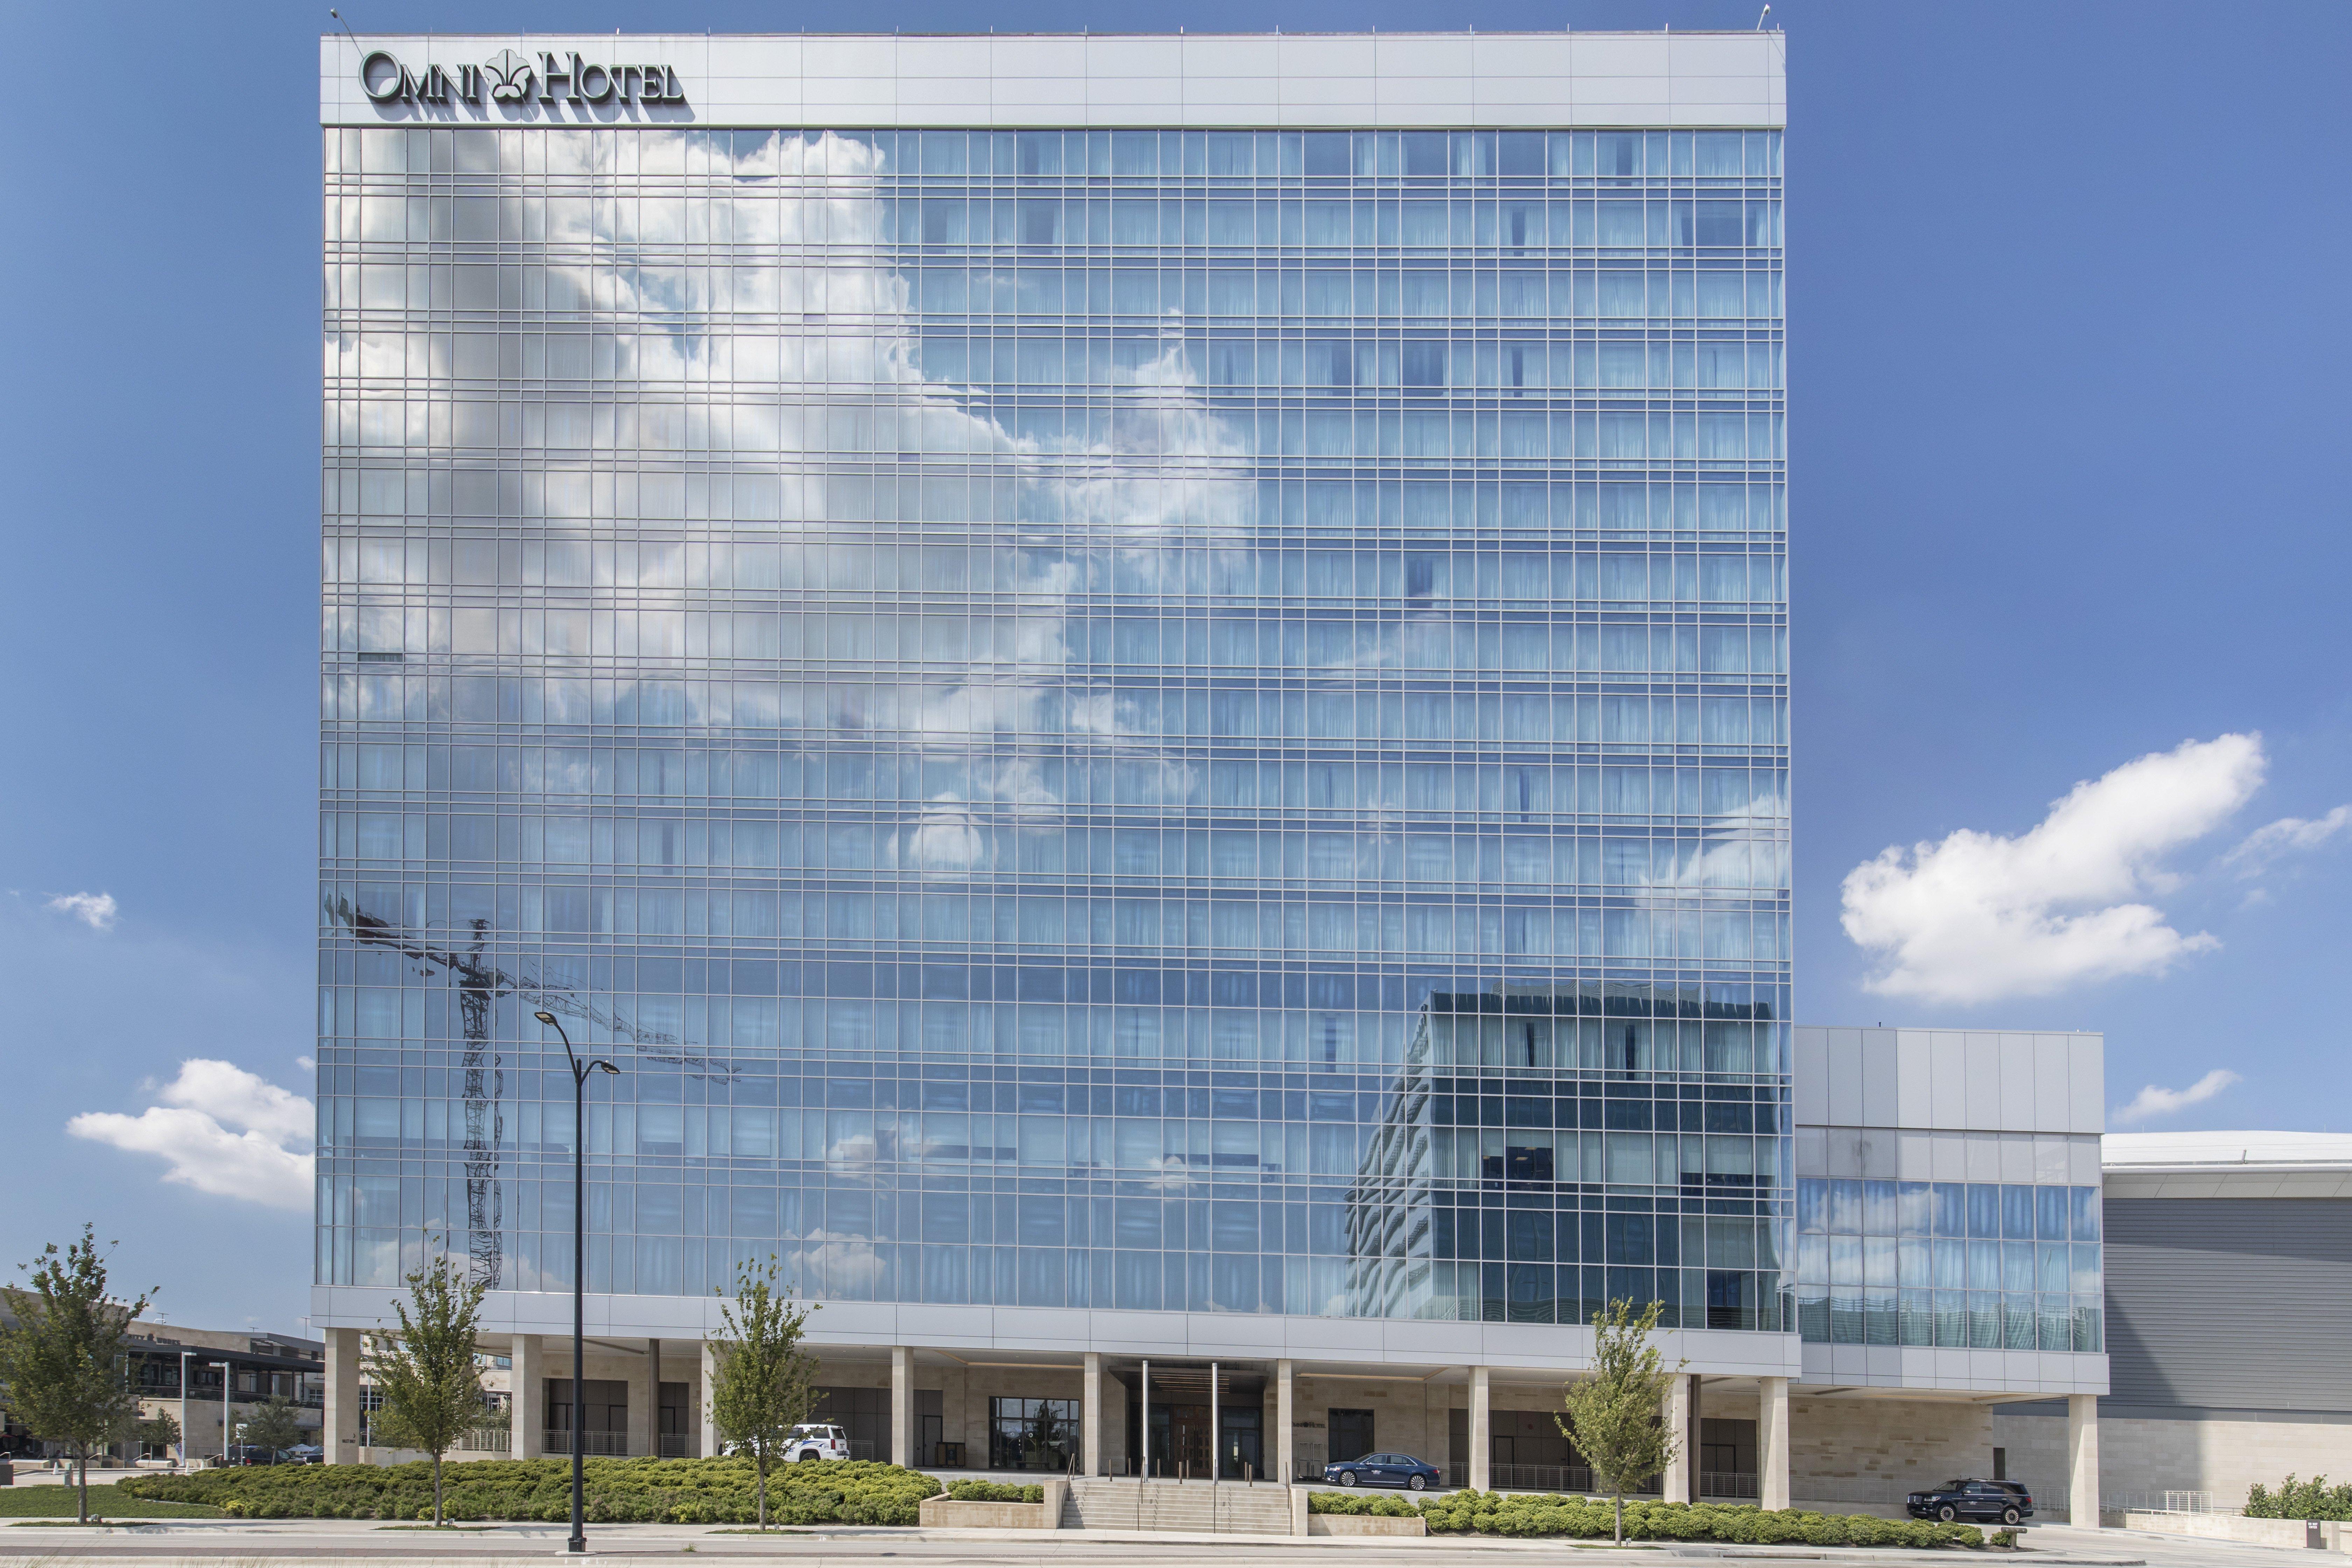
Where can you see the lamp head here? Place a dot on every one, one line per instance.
(545, 1016)
(607, 1067)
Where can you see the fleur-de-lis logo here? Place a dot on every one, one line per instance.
(509, 76)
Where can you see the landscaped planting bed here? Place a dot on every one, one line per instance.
(653, 1491)
(1585, 1519)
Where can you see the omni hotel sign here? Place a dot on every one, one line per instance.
(510, 77)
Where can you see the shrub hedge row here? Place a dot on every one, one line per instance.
(1551, 1514)
(1386, 1507)
(995, 1492)
(2313, 1498)
(656, 1491)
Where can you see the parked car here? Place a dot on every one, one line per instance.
(1383, 1470)
(252, 1454)
(816, 1441)
(306, 1453)
(2007, 1501)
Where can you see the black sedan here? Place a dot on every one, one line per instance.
(2007, 1501)
(1383, 1470)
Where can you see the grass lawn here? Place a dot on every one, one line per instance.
(105, 1502)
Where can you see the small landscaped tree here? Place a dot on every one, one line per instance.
(274, 1424)
(426, 1372)
(1614, 1414)
(160, 1430)
(62, 1368)
(765, 1384)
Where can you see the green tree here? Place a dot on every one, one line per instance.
(160, 1430)
(1613, 1415)
(62, 1367)
(427, 1373)
(764, 1384)
(276, 1424)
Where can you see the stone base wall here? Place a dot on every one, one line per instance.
(1875, 1450)
(1363, 1524)
(2291, 1533)
(2141, 1458)
(945, 1513)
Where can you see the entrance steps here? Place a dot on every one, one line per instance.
(1231, 1507)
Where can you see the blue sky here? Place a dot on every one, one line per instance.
(2068, 339)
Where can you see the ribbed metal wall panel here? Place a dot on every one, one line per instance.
(2235, 1303)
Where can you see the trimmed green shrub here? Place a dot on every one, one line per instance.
(995, 1492)
(633, 1491)
(1551, 1514)
(2313, 1498)
(1360, 1503)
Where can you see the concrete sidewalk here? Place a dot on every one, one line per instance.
(236, 1543)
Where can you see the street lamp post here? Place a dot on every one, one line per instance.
(228, 1404)
(580, 1072)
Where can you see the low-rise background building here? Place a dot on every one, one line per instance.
(2229, 1289)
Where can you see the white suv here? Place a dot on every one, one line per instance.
(817, 1441)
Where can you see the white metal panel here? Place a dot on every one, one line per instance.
(1947, 1079)
(1845, 1079)
(1915, 1157)
(2016, 1055)
(1881, 1105)
(1948, 1162)
(2051, 1164)
(2086, 1072)
(1981, 1155)
(1912, 1078)
(2016, 1156)
(1810, 1075)
(1980, 1079)
(2053, 1091)
(1231, 57)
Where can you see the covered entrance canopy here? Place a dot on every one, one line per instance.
(1187, 1425)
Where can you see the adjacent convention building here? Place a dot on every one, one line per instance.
(2207, 1398)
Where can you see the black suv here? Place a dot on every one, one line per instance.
(2007, 1501)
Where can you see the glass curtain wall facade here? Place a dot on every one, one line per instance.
(1139, 720)
(1962, 1265)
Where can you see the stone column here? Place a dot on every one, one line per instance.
(902, 1406)
(527, 1397)
(1680, 1482)
(341, 1433)
(1090, 1417)
(2083, 1460)
(1285, 1455)
(1482, 1442)
(955, 1382)
(643, 1423)
(702, 1401)
(1772, 1442)
(652, 1405)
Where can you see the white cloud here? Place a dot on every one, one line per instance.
(1979, 917)
(231, 1095)
(96, 910)
(2287, 835)
(2153, 1101)
(267, 1160)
